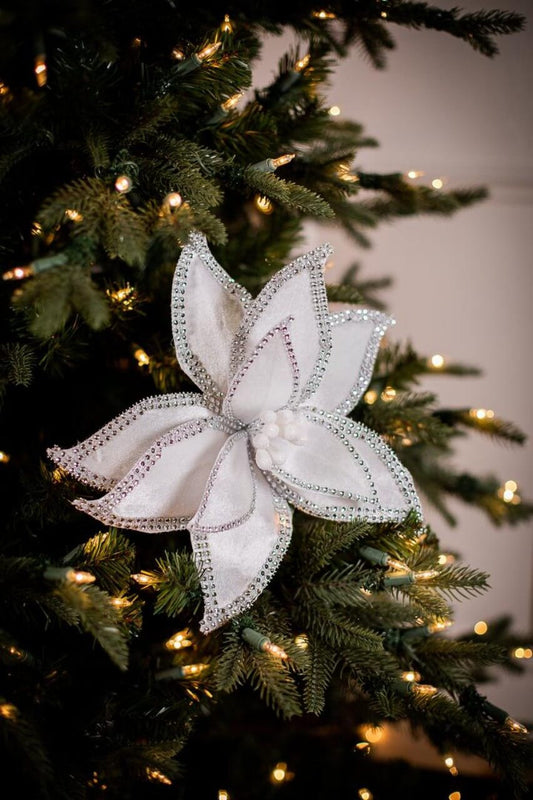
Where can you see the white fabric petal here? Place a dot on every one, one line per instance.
(109, 454)
(344, 471)
(207, 310)
(235, 565)
(165, 487)
(268, 380)
(297, 290)
(230, 492)
(355, 338)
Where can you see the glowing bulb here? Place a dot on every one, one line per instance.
(436, 361)
(280, 161)
(136, 42)
(231, 102)
(79, 577)
(301, 641)
(4, 90)
(363, 747)
(123, 184)
(414, 173)
(395, 563)
(373, 733)
(125, 296)
(280, 773)
(73, 215)
(511, 486)
(226, 26)
(208, 51)
(142, 358)
(8, 710)
(274, 650)
(437, 183)
(514, 726)
(324, 14)
(365, 794)
(370, 397)
(481, 627)
(173, 200)
(18, 273)
(528, 652)
(5, 458)
(424, 689)
(188, 670)
(223, 794)
(142, 578)
(36, 229)
(120, 602)
(388, 394)
(454, 771)
(446, 558)
(40, 70)
(177, 54)
(263, 204)
(158, 776)
(454, 796)
(448, 760)
(302, 63)
(384, 15)
(439, 625)
(179, 640)
(334, 111)
(426, 575)
(411, 676)
(343, 171)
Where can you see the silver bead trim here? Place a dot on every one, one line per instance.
(215, 615)
(71, 459)
(311, 262)
(209, 488)
(282, 329)
(189, 362)
(102, 509)
(371, 509)
(382, 323)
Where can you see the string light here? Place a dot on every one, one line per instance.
(39, 265)
(223, 794)
(376, 556)
(334, 111)
(263, 204)
(36, 229)
(509, 492)
(261, 642)
(388, 394)
(280, 773)
(197, 59)
(426, 575)
(271, 164)
(437, 183)
(18, 273)
(363, 747)
(301, 641)
(123, 184)
(323, 14)
(365, 794)
(370, 397)
(142, 358)
(523, 652)
(384, 15)
(481, 413)
(208, 51)
(481, 627)
(413, 174)
(446, 558)
(514, 726)
(41, 72)
(226, 26)
(373, 733)
(125, 297)
(423, 689)
(410, 676)
(448, 760)
(302, 63)
(142, 578)
(437, 361)
(4, 90)
(121, 602)
(157, 776)
(439, 625)
(179, 640)
(454, 796)
(177, 54)
(231, 102)
(79, 577)
(5, 458)
(8, 710)
(173, 201)
(73, 215)
(183, 671)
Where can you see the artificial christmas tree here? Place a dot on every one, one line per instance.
(127, 139)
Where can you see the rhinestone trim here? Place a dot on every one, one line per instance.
(311, 262)
(190, 363)
(102, 509)
(382, 323)
(371, 509)
(71, 459)
(215, 615)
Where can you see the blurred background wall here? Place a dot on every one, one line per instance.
(463, 285)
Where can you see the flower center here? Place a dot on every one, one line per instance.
(270, 438)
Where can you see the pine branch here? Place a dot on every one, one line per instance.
(177, 584)
(109, 556)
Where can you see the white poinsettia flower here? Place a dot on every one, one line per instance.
(278, 373)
